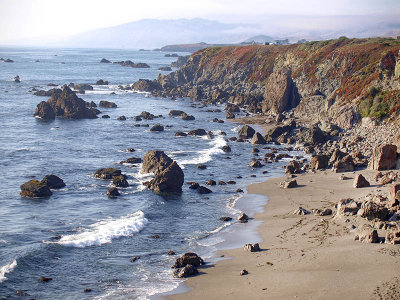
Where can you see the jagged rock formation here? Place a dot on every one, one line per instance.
(338, 81)
(65, 104)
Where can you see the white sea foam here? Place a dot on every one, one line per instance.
(7, 269)
(206, 155)
(105, 231)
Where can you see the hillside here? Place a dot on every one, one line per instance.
(336, 80)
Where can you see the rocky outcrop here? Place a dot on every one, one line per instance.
(67, 105)
(280, 92)
(189, 258)
(169, 176)
(246, 132)
(53, 182)
(129, 63)
(105, 61)
(384, 157)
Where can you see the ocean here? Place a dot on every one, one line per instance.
(79, 237)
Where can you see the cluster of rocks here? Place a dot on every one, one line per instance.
(168, 176)
(65, 103)
(126, 63)
(40, 189)
(7, 60)
(187, 265)
(115, 175)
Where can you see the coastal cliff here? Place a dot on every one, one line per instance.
(339, 81)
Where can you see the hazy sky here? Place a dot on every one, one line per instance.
(31, 18)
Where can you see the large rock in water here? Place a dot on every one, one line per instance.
(169, 176)
(189, 258)
(53, 182)
(384, 157)
(246, 132)
(280, 92)
(66, 104)
(35, 189)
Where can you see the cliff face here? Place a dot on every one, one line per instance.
(338, 80)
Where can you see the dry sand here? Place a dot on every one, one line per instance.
(304, 257)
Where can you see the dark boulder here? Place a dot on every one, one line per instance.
(187, 271)
(53, 182)
(120, 181)
(132, 160)
(176, 112)
(187, 117)
(107, 173)
(211, 182)
(255, 164)
(189, 258)
(83, 87)
(258, 139)
(157, 127)
(180, 133)
(169, 176)
(48, 93)
(101, 82)
(105, 116)
(203, 190)
(243, 218)
(246, 132)
(197, 132)
(121, 118)
(105, 61)
(107, 104)
(113, 192)
(226, 149)
(35, 189)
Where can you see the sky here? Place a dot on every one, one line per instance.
(32, 18)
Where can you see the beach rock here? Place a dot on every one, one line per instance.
(120, 181)
(107, 173)
(371, 210)
(294, 167)
(346, 164)
(239, 191)
(255, 164)
(289, 184)
(246, 132)
(87, 290)
(134, 258)
(197, 132)
(252, 247)
(53, 182)
(243, 218)
(203, 190)
(157, 127)
(147, 116)
(121, 118)
(384, 157)
(226, 219)
(366, 234)
(322, 212)
(393, 236)
(17, 79)
(258, 139)
(105, 61)
(113, 192)
(107, 104)
(188, 258)
(243, 272)
(170, 252)
(101, 82)
(35, 189)
(105, 116)
(301, 212)
(187, 271)
(45, 111)
(137, 118)
(319, 162)
(201, 167)
(187, 117)
(280, 92)
(360, 181)
(347, 207)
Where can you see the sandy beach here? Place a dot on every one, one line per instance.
(304, 256)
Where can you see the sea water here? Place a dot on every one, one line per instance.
(78, 236)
